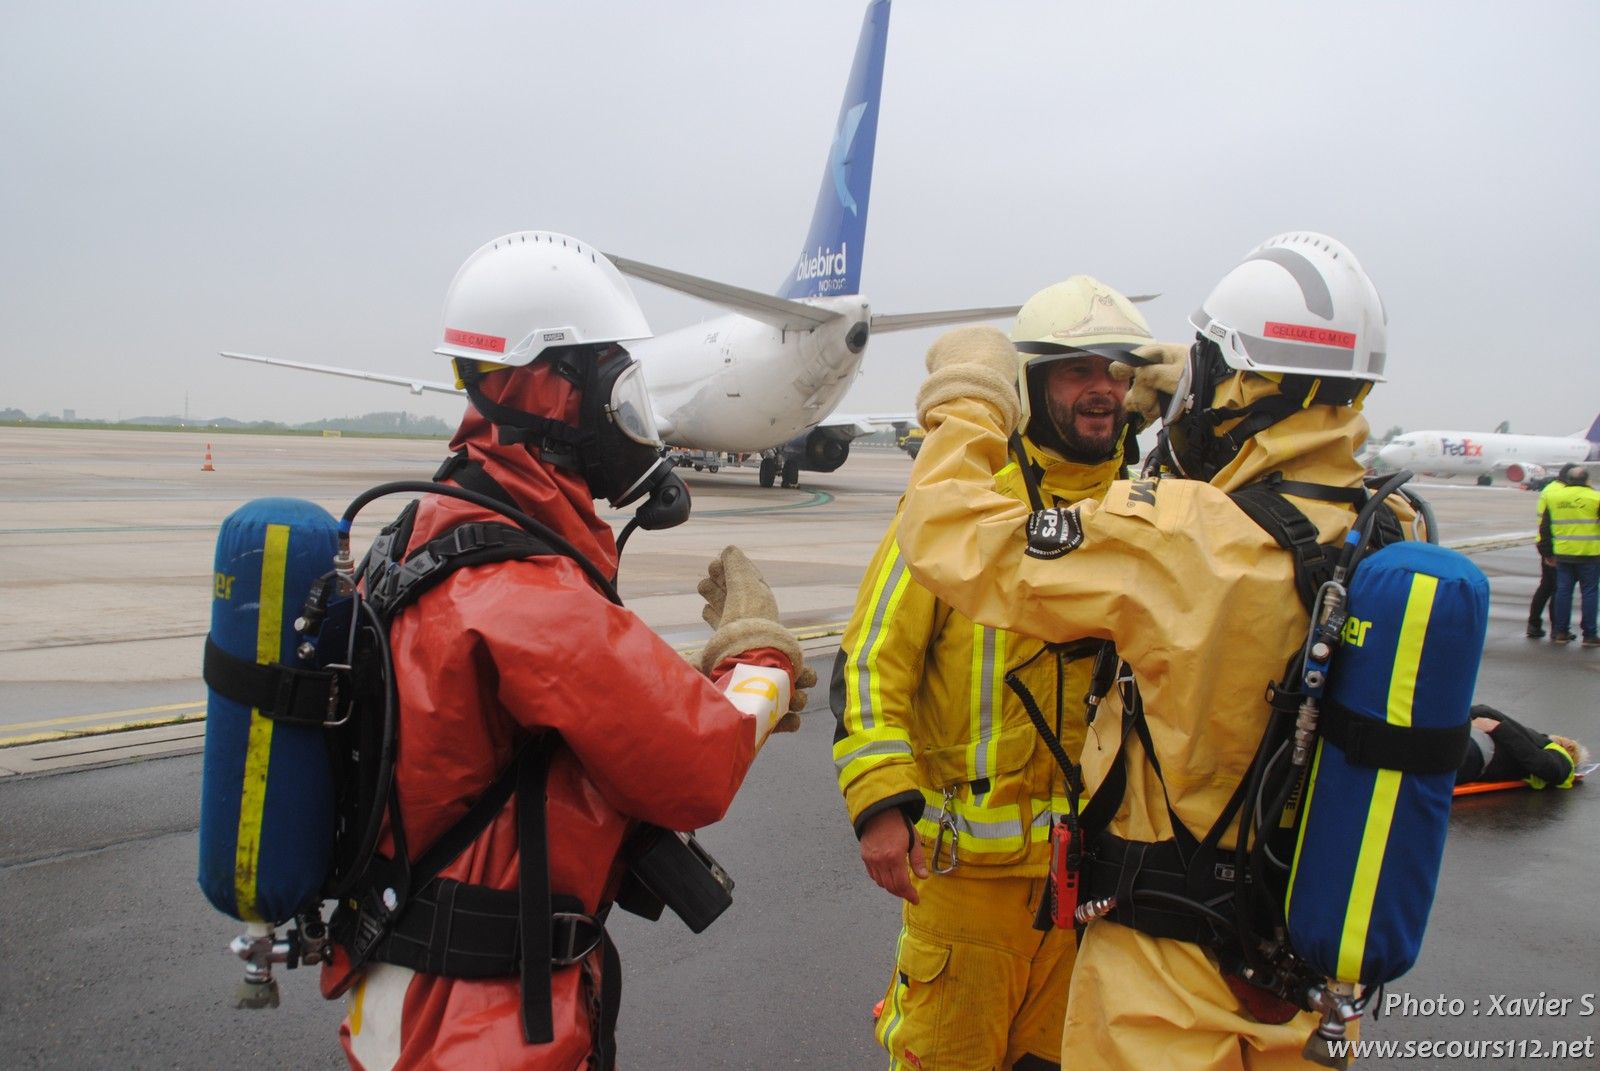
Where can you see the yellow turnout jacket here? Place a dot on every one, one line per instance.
(926, 721)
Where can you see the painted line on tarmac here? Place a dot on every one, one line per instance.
(818, 498)
(196, 714)
(111, 528)
(74, 725)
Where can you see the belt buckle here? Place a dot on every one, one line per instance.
(564, 940)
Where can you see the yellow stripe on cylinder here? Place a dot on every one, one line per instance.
(258, 754)
(1386, 791)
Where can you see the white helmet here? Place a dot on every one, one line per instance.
(1301, 304)
(1079, 315)
(527, 291)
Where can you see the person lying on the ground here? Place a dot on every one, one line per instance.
(1504, 749)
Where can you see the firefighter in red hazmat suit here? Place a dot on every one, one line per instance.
(503, 660)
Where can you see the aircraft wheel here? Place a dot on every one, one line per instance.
(1484, 481)
(791, 472)
(768, 472)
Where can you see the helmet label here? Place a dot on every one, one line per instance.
(1321, 336)
(474, 340)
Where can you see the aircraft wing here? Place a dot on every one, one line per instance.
(415, 386)
(777, 311)
(859, 424)
(906, 321)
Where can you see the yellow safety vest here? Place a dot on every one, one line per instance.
(1574, 512)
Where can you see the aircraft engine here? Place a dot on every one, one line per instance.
(826, 448)
(1519, 473)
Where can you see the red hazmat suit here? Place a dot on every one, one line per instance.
(497, 651)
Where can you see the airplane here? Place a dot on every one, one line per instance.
(1521, 459)
(766, 378)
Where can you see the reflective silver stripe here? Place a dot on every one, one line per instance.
(980, 759)
(1313, 287)
(969, 828)
(876, 747)
(866, 652)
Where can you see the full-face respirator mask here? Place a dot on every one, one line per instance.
(615, 445)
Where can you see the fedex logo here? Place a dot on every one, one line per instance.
(1461, 448)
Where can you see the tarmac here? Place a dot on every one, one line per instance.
(110, 957)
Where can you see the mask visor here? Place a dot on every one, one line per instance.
(629, 407)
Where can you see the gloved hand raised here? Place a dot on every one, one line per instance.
(1152, 384)
(743, 615)
(971, 362)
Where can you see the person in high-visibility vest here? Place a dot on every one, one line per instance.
(1569, 530)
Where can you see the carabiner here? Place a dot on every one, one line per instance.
(947, 824)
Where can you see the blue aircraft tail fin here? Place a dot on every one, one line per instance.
(1594, 431)
(830, 261)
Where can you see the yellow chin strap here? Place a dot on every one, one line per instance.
(483, 366)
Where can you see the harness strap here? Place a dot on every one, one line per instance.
(1294, 532)
(283, 693)
(473, 543)
(533, 896)
(1367, 742)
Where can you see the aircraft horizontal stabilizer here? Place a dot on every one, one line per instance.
(906, 321)
(777, 311)
(415, 386)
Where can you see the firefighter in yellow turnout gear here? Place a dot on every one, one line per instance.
(1198, 598)
(945, 778)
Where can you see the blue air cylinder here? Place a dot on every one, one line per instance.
(267, 799)
(1372, 839)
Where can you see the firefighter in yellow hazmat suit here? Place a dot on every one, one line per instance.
(945, 779)
(1200, 601)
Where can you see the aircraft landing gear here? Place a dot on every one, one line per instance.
(791, 472)
(768, 471)
(1485, 480)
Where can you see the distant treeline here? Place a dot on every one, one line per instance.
(404, 425)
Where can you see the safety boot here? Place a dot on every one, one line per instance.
(1561, 637)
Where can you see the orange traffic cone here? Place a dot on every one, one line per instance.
(208, 467)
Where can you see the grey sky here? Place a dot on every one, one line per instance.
(302, 180)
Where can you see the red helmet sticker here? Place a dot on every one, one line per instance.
(474, 340)
(1321, 336)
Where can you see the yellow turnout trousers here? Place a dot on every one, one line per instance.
(1141, 1002)
(976, 987)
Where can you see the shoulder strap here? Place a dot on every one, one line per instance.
(1293, 531)
(474, 543)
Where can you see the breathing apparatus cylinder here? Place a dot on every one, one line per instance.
(1377, 802)
(267, 793)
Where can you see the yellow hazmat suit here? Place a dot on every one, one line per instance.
(1201, 603)
(927, 722)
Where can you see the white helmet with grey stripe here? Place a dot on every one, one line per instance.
(1301, 304)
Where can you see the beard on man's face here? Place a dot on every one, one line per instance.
(1092, 427)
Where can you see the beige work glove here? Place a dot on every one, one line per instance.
(743, 615)
(1149, 382)
(971, 362)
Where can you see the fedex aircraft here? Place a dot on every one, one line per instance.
(765, 379)
(1524, 459)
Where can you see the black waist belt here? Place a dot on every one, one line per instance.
(470, 931)
(1150, 882)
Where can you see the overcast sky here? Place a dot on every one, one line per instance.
(302, 180)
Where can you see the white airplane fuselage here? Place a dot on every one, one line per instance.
(734, 381)
(1518, 458)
